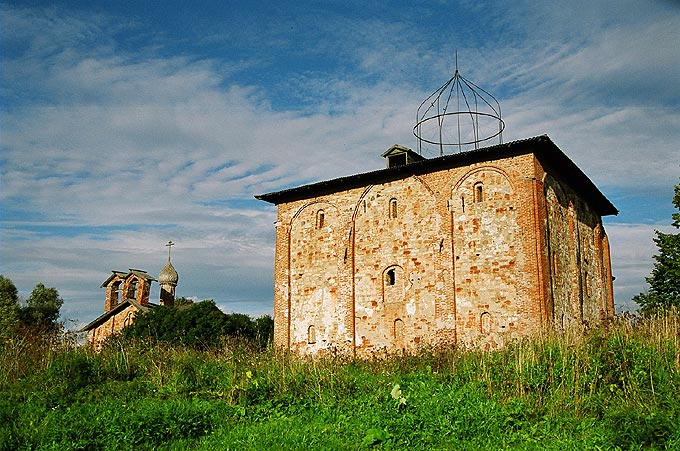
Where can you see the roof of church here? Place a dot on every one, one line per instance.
(557, 163)
(124, 275)
(101, 319)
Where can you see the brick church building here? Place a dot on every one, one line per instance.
(127, 293)
(470, 250)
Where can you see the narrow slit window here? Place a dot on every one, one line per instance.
(479, 192)
(311, 335)
(320, 217)
(391, 277)
(393, 208)
(462, 203)
(115, 294)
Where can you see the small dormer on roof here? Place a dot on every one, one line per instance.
(399, 156)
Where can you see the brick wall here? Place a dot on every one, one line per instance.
(471, 256)
(114, 324)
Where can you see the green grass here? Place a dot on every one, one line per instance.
(617, 388)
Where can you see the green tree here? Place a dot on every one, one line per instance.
(199, 325)
(664, 282)
(41, 311)
(264, 330)
(9, 307)
(182, 301)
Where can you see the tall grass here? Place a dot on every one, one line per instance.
(614, 387)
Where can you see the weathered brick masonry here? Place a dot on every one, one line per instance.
(468, 249)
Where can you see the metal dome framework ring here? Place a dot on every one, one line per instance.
(470, 99)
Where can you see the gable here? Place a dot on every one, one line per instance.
(127, 303)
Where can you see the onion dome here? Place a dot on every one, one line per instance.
(168, 275)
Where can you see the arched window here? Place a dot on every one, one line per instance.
(319, 219)
(115, 294)
(390, 277)
(485, 323)
(479, 192)
(393, 208)
(132, 289)
(393, 284)
(311, 334)
(398, 330)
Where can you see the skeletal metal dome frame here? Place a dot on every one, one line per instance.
(434, 116)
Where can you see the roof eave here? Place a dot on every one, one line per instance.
(542, 146)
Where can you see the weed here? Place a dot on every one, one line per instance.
(613, 388)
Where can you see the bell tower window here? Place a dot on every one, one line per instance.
(132, 289)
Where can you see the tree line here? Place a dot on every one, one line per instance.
(200, 325)
(194, 324)
(38, 314)
(664, 282)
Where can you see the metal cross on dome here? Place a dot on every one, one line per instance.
(169, 246)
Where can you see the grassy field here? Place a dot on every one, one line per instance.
(617, 388)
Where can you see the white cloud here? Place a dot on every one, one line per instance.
(109, 151)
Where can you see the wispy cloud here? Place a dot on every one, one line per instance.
(112, 143)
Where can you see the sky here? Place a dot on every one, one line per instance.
(127, 124)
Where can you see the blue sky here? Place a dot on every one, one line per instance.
(127, 124)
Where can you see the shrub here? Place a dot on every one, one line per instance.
(200, 325)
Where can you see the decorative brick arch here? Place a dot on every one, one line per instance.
(405, 248)
(488, 255)
(478, 169)
(315, 265)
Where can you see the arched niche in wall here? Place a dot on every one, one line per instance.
(398, 333)
(485, 323)
(316, 262)
(391, 251)
(488, 254)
